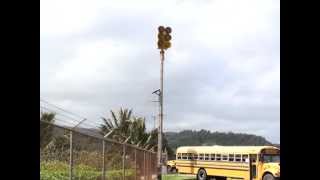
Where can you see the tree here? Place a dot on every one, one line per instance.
(126, 125)
(137, 130)
(165, 145)
(46, 129)
(205, 137)
(118, 124)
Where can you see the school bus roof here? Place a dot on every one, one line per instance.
(224, 149)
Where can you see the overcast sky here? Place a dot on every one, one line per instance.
(221, 74)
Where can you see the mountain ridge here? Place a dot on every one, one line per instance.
(206, 137)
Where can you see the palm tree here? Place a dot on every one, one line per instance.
(125, 125)
(118, 124)
(138, 130)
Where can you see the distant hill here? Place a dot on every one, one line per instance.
(205, 137)
(277, 145)
(176, 139)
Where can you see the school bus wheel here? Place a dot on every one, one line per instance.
(268, 176)
(174, 170)
(202, 174)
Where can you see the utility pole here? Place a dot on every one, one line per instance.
(161, 114)
(164, 38)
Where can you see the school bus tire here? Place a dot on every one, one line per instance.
(174, 170)
(171, 169)
(268, 176)
(202, 174)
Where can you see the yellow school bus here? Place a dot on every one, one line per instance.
(229, 162)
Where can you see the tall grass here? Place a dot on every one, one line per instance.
(57, 170)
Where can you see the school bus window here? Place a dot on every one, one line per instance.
(218, 157)
(179, 156)
(245, 158)
(200, 156)
(195, 156)
(189, 156)
(231, 157)
(206, 157)
(212, 156)
(224, 157)
(238, 157)
(271, 158)
(254, 158)
(184, 155)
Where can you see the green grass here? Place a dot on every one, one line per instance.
(56, 170)
(178, 177)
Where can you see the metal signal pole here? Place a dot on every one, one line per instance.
(164, 43)
(160, 130)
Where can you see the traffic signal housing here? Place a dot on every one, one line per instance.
(164, 37)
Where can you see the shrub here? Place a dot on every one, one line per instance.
(57, 170)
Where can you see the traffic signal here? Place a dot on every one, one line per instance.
(164, 37)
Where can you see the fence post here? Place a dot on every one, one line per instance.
(144, 165)
(250, 167)
(135, 163)
(148, 161)
(71, 156)
(149, 167)
(103, 161)
(123, 161)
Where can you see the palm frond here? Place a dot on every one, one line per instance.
(115, 119)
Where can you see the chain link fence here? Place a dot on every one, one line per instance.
(69, 154)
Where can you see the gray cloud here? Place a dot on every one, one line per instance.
(227, 80)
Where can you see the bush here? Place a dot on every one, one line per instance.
(53, 170)
(57, 170)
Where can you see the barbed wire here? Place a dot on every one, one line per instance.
(58, 113)
(62, 109)
(68, 118)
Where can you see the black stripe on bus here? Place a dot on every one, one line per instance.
(214, 168)
(213, 161)
(213, 165)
